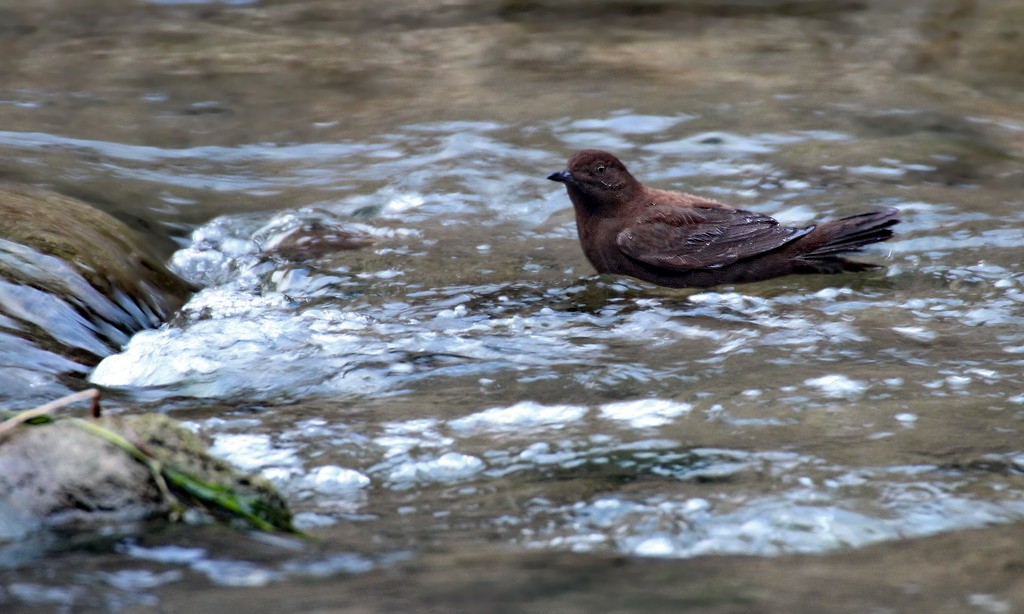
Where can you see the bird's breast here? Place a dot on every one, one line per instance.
(598, 237)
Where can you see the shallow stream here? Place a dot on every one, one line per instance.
(400, 330)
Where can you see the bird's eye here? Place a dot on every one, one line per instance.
(599, 170)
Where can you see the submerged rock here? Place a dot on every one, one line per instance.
(59, 474)
(91, 261)
(75, 284)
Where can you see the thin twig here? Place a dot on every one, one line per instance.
(48, 408)
(95, 410)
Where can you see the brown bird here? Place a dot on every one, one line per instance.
(681, 240)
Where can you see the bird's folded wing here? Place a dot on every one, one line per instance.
(695, 238)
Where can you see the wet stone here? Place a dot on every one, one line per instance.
(59, 474)
(75, 284)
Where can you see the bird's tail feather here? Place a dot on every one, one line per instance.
(850, 234)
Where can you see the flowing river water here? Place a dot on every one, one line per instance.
(397, 326)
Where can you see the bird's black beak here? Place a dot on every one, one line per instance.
(561, 177)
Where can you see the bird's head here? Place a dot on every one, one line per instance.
(596, 180)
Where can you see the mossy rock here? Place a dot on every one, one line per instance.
(75, 280)
(59, 474)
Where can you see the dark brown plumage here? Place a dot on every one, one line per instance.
(681, 240)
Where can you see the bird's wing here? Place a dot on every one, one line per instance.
(688, 238)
